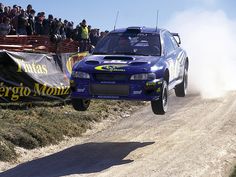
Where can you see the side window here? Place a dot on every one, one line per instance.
(168, 43)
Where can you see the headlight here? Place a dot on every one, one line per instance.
(144, 76)
(79, 74)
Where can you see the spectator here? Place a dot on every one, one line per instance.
(47, 25)
(5, 13)
(18, 21)
(14, 18)
(69, 29)
(1, 8)
(84, 32)
(56, 25)
(84, 36)
(22, 23)
(98, 32)
(89, 28)
(75, 34)
(28, 10)
(39, 24)
(102, 34)
(93, 37)
(62, 31)
(19, 9)
(5, 26)
(13, 13)
(31, 22)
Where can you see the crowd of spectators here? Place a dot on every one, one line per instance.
(18, 21)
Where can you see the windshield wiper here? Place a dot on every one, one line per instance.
(130, 53)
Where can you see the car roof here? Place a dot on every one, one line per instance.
(138, 28)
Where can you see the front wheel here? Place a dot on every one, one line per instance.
(160, 106)
(80, 104)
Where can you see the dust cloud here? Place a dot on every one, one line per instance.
(210, 41)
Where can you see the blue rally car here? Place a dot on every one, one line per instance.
(135, 63)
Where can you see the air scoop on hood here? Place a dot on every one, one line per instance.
(123, 58)
(92, 62)
(138, 63)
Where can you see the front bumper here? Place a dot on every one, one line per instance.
(127, 90)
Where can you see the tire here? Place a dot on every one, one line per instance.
(80, 104)
(160, 106)
(181, 89)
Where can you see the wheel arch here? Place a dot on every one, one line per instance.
(166, 75)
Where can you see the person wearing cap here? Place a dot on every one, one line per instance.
(84, 35)
(84, 30)
(28, 9)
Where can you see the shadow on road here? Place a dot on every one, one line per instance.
(84, 158)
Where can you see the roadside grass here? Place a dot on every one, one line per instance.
(46, 124)
(234, 173)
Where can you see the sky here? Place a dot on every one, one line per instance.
(102, 13)
(206, 27)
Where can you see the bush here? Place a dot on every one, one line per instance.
(40, 126)
(7, 151)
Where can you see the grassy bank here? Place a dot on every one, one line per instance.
(234, 173)
(48, 124)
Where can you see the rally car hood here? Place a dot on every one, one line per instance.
(118, 63)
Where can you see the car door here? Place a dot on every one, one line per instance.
(170, 55)
(179, 59)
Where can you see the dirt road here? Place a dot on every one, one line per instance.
(195, 138)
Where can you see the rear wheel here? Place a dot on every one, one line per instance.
(181, 89)
(80, 104)
(160, 106)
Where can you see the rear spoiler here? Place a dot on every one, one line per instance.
(177, 38)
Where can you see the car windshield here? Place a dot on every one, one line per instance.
(129, 44)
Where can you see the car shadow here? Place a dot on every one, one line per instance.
(79, 159)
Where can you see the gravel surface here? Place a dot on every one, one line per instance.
(196, 138)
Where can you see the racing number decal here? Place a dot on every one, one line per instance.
(179, 63)
(171, 68)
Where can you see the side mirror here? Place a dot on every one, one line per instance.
(177, 37)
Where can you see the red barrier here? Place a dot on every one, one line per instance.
(36, 43)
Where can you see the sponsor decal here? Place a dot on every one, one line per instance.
(16, 92)
(116, 61)
(33, 77)
(151, 84)
(32, 67)
(74, 59)
(111, 68)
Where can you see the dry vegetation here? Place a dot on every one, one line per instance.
(234, 173)
(48, 123)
